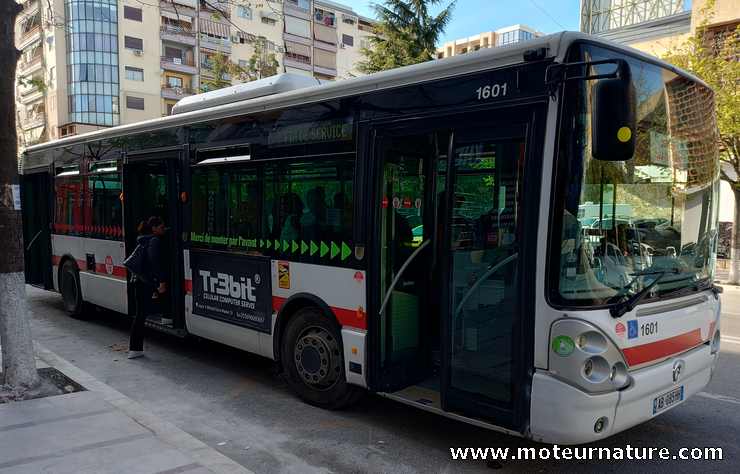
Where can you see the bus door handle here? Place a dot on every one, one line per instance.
(400, 274)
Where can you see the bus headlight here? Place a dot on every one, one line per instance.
(583, 356)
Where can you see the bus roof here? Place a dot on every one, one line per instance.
(557, 45)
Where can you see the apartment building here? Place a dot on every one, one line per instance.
(88, 64)
(326, 44)
(488, 39)
(655, 26)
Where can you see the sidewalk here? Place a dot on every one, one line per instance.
(97, 431)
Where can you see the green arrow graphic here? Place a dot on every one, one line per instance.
(304, 247)
(334, 250)
(286, 246)
(277, 245)
(294, 246)
(268, 244)
(324, 249)
(314, 248)
(345, 251)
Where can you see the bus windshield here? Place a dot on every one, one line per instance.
(623, 224)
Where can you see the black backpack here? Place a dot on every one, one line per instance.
(138, 262)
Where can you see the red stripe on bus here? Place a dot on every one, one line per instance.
(188, 286)
(119, 272)
(346, 317)
(659, 349)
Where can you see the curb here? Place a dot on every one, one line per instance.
(206, 456)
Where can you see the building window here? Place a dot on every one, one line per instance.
(136, 103)
(268, 21)
(324, 17)
(134, 74)
(348, 40)
(92, 68)
(169, 107)
(131, 13)
(348, 20)
(133, 43)
(244, 12)
(174, 81)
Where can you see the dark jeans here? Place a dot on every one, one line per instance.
(143, 294)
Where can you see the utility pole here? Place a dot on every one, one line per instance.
(19, 364)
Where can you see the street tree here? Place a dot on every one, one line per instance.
(716, 60)
(19, 365)
(406, 34)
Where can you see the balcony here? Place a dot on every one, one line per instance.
(177, 34)
(33, 33)
(29, 8)
(215, 8)
(30, 92)
(215, 43)
(175, 93)
(33, 121)
(31, 65)
(185, 65)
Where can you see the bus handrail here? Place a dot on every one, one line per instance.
(33, 240)
(400, 273)
(480, 280)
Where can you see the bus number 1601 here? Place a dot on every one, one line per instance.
(492, 91)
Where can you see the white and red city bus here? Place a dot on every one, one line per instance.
(421, 233)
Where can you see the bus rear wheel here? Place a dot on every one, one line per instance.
(313, 362)
(69, 286)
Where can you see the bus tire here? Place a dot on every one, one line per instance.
(313, 362)
(69, 287)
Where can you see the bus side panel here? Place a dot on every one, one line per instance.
(100, 262)
(230, 334)
(342, 289)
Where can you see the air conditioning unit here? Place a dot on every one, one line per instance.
(138, 52)
(342, 46)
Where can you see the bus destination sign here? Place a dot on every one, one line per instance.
(233, 288)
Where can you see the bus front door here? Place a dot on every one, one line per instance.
(152, 187)
(482, 333)
(408, 329)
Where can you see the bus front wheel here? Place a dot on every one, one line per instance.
(69, 286)
(313, 362)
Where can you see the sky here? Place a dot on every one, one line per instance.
(471, 17)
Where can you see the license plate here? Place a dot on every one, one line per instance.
(661, 402)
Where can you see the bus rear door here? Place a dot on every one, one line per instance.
(152, 186)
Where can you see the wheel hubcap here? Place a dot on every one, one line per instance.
(317, 358)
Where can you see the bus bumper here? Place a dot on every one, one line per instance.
(564, 414)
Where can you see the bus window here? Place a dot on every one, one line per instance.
(104, 189)
(307, 204)
(68, 217)
(226, 204)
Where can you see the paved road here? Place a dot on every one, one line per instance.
(235, 403)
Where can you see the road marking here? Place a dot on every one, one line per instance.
(730, 339)
(722, 398)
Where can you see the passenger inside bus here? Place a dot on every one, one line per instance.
(289, 217)
(313, 220)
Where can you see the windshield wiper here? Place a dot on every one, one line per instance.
(619, 305)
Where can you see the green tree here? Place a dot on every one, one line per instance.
(716, 60)
(261, 64)
(406, 34)
(222, 70)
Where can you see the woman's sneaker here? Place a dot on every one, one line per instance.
(135, 354)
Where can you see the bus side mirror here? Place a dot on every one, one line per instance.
(613, 118)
